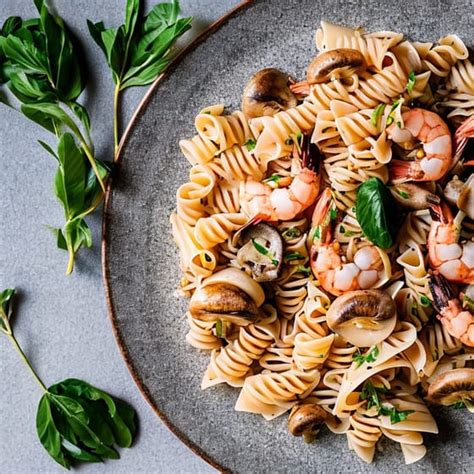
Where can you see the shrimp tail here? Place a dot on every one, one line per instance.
(400, 170)
(441, 291)
(300, 88)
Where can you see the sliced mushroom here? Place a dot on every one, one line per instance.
(461, 195)
(335, 64)
(229, 295)
(267, 93)
(306, 419)
(261, 251)
(413, 196)
(363, 317)
(452, 386)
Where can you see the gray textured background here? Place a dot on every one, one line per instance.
(62, 322)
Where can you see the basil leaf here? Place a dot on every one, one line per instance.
(10, 26)
(69, 182)
(48, 434)
(376, 213)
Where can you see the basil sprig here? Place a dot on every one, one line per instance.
(75, 421)
(377, 213)
(39, 64)
(138, 51)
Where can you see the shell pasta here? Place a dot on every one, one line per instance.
(326, 240)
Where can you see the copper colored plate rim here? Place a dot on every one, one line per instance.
(105, 216)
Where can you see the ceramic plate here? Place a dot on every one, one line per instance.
(141, 261)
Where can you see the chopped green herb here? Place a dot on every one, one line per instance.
(250, 144)
(317, 234)
(371, 393)
(293, 256)
(370, 356)
(378, 111)
(207, 258)
(411, 81)
(333, 214)
(264, 251)
(306, 271)
(342, 229)
(219, 328)
(403, 194)
(291, 233)
(289, 141)
(389, 120)
(395, 415)
(425, 301)
(399, 124)
(207, 112)
(353, 209)
(395, 104)
(274, 178)
(468, 303)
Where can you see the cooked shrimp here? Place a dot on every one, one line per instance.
(433, 159)
(327, 264)
(461, 137)
(282, 198)
(459, 322)
(454, 260)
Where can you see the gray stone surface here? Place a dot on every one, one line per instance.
(62, 322)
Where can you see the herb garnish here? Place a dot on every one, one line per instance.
(425, 301)
(376, 213)
(468, 302)
(293, 256)
(264, 251)
(370, 356)
(274, 178)
(372, 394)
(39, 64)
(403, 194)
(378, 111)
(138, 51)
(411, 81)
(250, 144)
(291, 233)
(333, 214)
(395, 104)
(75, 421)
(306, 271)
(317, 233)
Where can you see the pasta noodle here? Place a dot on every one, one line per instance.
(301, 304)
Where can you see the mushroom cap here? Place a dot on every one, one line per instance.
(363, 317)
(305, 418)
(238, 278)
(263, 267)
(413, 196)
(335, 63)
(267, 93)
(465, 200)
(452, 386)
(225, 302)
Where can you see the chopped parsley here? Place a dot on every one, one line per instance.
(333, 214)
(317, 234)
(395, 415)
(250, 144)
(403, 194)
(293, 256)
(291, 233)
(373, 393)
(264, 251)
(411, 81)
(219, 328)
(306, 271)
(378, 111)
(370, 356)
(425, 301)
(468, 303)
(274, 178)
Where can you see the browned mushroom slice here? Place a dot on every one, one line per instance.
(306, 419)
(413, 196)
(267, 93)
(363, 317)
(452, 387)
(261, 251)
(465, 200)
(335, 64)
(229, 295)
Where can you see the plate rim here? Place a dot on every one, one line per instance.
(106, 215)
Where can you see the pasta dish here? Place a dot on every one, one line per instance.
(326, 240)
